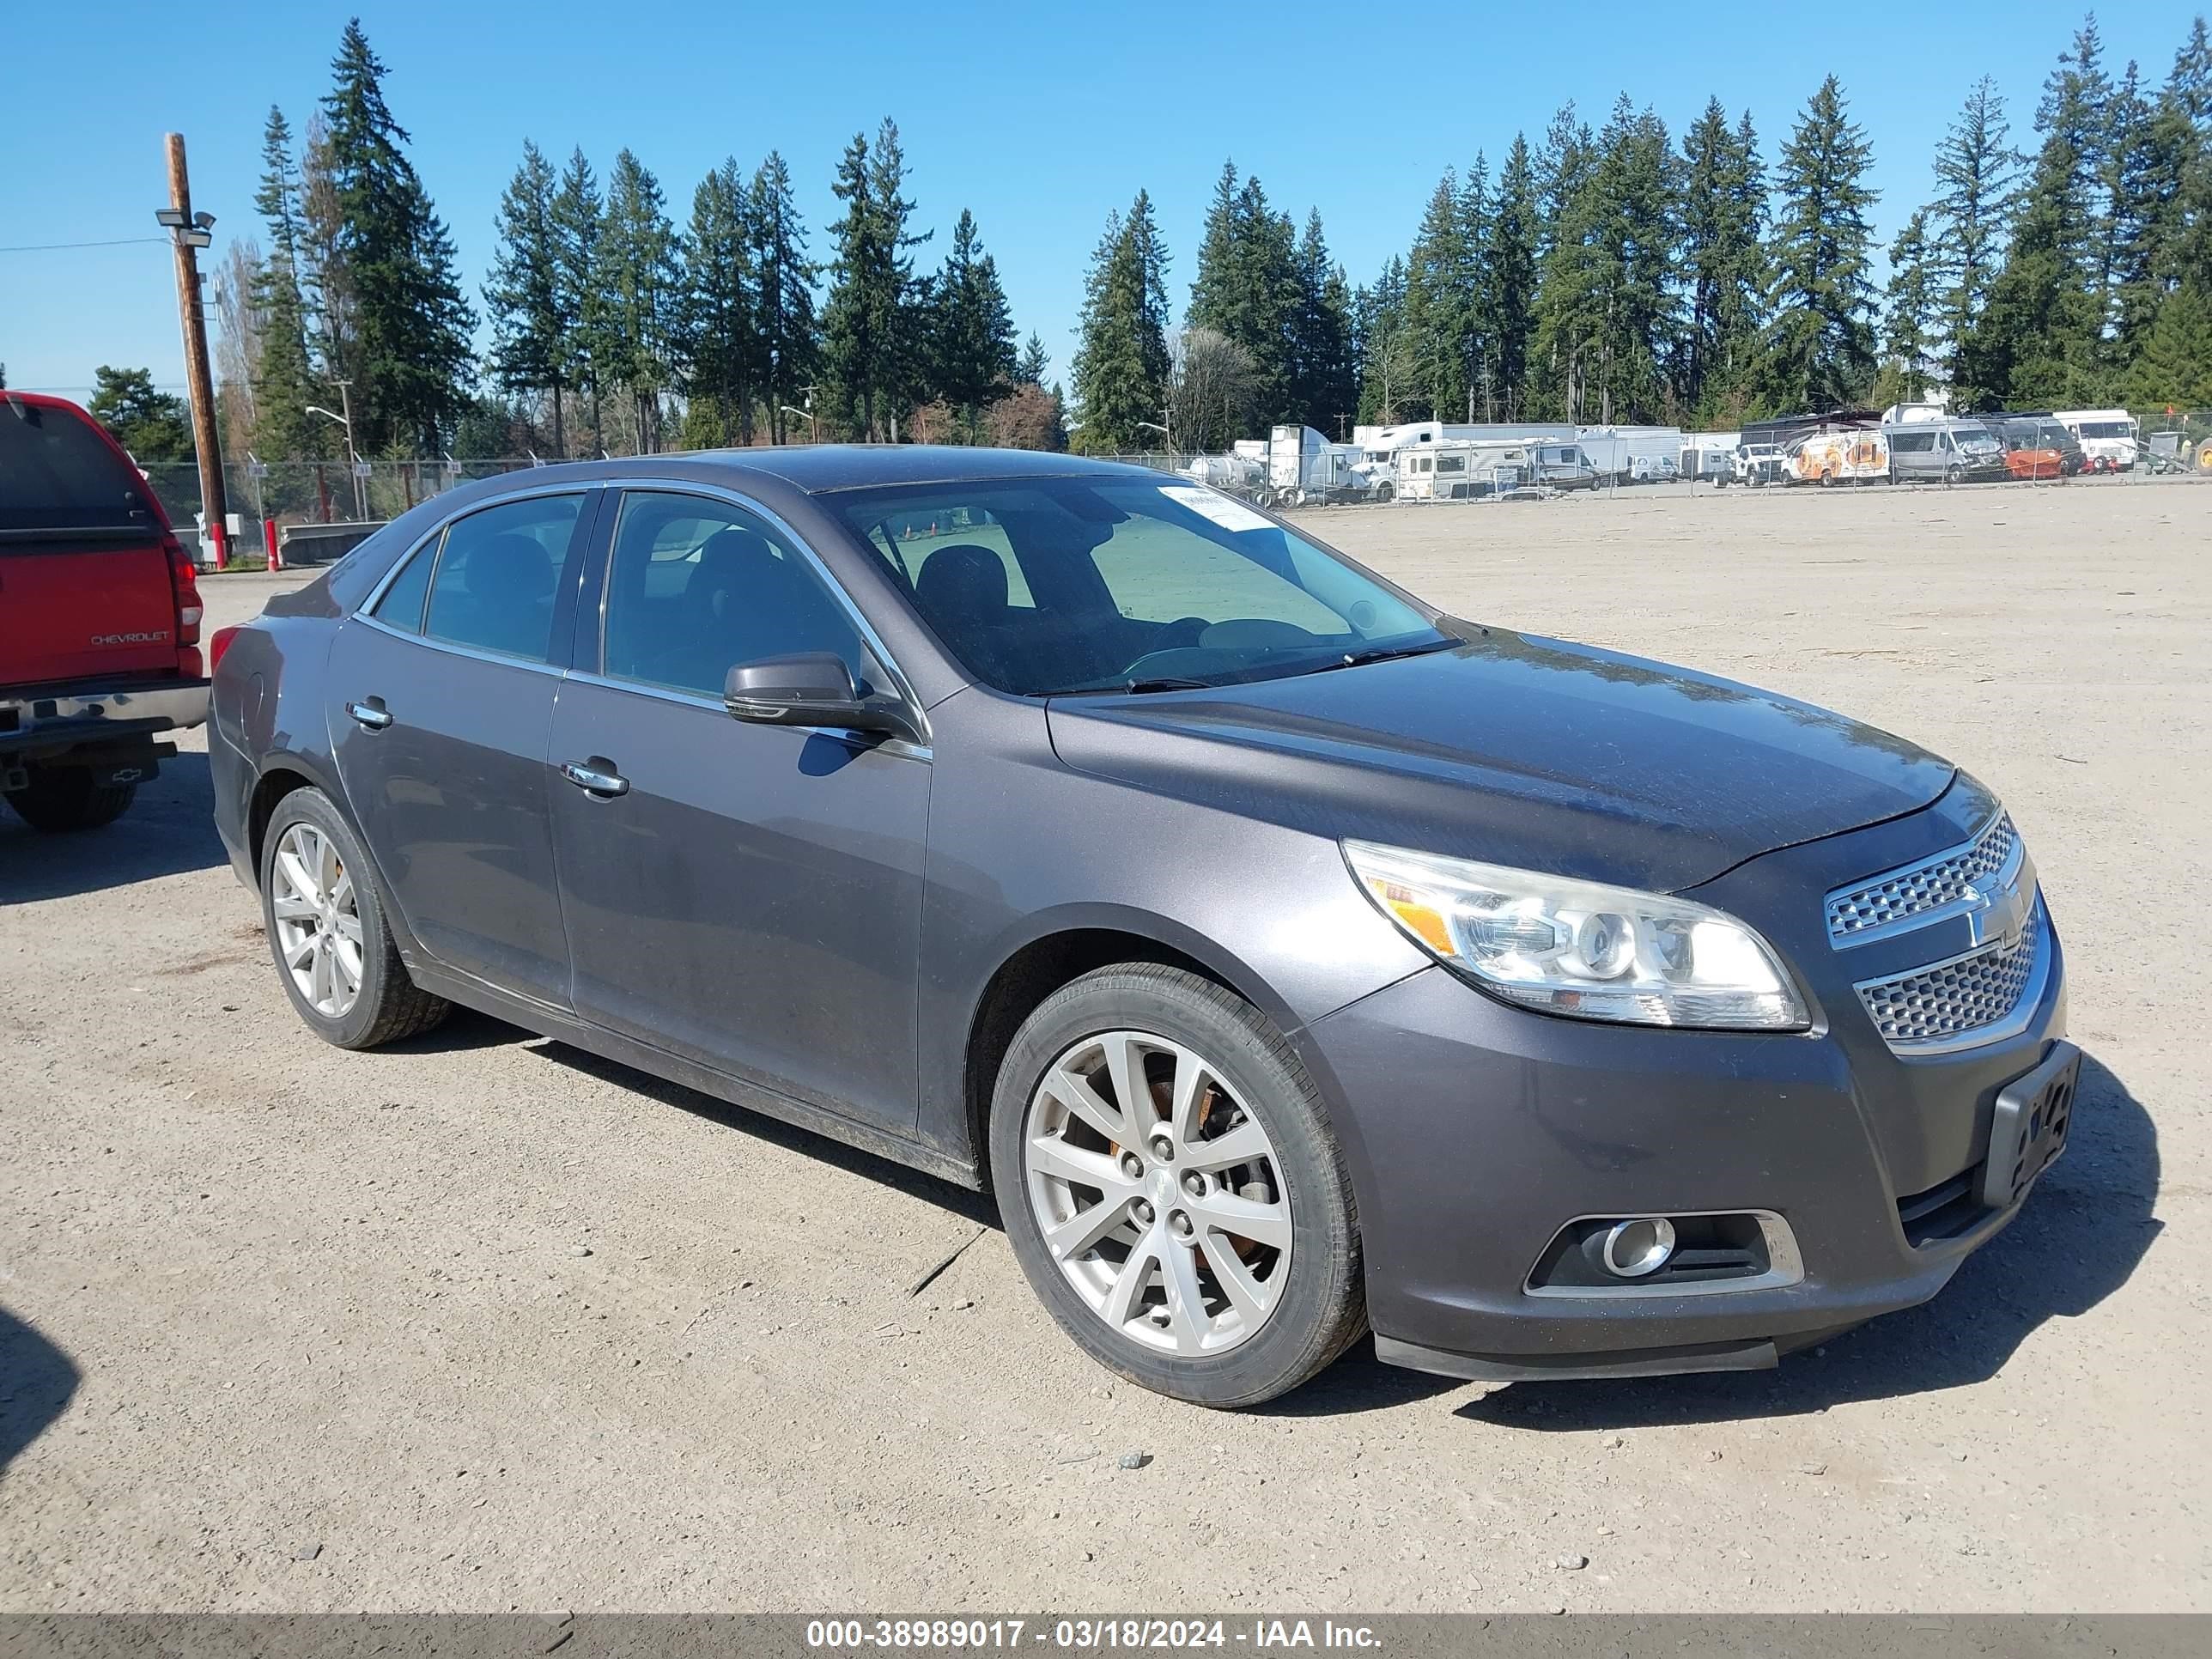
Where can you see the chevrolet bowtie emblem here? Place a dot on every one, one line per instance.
(2000, 913)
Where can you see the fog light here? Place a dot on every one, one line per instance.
(1640, 1246)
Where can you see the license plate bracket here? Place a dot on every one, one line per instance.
(2028, 1128)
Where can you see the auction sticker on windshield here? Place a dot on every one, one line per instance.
(1220, 508)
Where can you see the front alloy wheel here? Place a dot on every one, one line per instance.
(1173, 1188)
(1159, 1194)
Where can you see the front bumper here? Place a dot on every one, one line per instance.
(1477, 1130)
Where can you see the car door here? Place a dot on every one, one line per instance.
(442, 689)
(747, 897)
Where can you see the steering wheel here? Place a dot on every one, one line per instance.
(1183, 630)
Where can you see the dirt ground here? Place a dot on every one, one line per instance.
(482, 1323)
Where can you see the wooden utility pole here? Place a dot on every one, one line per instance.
(188, 238)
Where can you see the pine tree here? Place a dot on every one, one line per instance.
(1910, 317)
(1323, 392)
(639, 284)
(1034, 365)
(1384, 349)
(972, 354)
(410, 323)
(2174, 367)
(875, 323)
(1120, 368)
(1571, 282)
(1478, 344)
(1246, 288)
(1724, 209)
(1439, 314)
(2040, 339)
(785, 275)
(1508, 261)
(717, 339)
(282, 374)
(1819, 347)
(1633, 216)
(576, 213)
(524, 295)
(1978, 176)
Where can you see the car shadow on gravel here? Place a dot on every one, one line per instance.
(2078, 1239)
(978, 1207)
(169, 828)
(36, 1383)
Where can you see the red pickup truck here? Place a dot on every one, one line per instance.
(100, 620)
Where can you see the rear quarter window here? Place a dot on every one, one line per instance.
(58, 472)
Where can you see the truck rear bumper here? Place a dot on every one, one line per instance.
(47, 720)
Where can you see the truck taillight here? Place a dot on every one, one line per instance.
(186, 581)
(218, 642)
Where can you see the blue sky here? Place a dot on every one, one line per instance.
(1039, 117)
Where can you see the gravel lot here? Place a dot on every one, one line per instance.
(485, 1324)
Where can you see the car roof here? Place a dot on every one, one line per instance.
(820, 468)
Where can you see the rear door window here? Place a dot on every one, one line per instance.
(496, 575)
(58, 472)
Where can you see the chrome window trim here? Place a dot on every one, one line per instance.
(2006, 876)
(738, 499)
(455, 648)
(2020, 1016)
(900, 747)
(1786, 1263)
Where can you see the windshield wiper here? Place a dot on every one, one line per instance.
(1135, 688)
(1384, 654)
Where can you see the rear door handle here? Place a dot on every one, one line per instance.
(371, 715)
(595, 776)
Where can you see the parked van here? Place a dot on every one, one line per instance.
(1943, 452)
(2108, 437)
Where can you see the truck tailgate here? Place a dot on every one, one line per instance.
(78, 603)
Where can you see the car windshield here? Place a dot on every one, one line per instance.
(1973, 437)
(1063, 586)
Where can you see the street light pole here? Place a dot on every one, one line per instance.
(353, 455)
(188, 233)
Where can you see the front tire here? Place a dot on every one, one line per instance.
(60, 799)
(325, 914)
(1173, 1189)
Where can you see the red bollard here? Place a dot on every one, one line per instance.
(269, 535)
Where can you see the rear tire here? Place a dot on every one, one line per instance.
(1292, 1308)
(387, 1005)
(61, 799)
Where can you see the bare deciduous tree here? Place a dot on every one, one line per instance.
(1212, 389)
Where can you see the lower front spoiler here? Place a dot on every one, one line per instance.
(1761, 1355)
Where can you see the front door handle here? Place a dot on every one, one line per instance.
(371, 714)
(596, 777)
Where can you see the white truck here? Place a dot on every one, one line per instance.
(1304, 468)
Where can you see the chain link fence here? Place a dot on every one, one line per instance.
(2166, 446)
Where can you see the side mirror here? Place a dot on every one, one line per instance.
(811, 688)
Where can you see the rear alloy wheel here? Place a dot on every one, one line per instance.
(1173, 1190)
(324, 917)
(58, 800)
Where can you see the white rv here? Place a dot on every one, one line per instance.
(1459, 469)
(2108, 437)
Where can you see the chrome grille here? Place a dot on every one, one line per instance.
(1923, 892)
(1951, 1003)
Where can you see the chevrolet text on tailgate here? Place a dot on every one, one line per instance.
(1293, 959)
(100, 620)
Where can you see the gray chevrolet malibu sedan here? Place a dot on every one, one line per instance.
(1292, 959)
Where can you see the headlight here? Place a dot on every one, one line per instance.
(1579, 948)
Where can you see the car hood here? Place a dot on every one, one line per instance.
(1517, 750)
